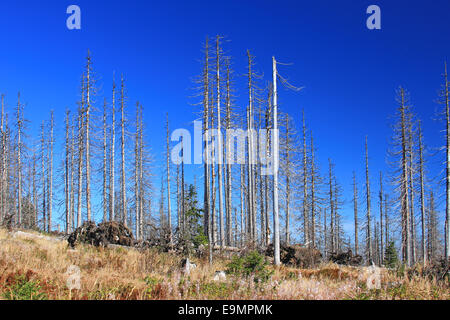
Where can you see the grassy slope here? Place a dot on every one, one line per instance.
(36, 268)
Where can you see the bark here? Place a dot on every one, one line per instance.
(87, 137)
(381, 219)
(368, 217)
(305, 188)
(169, 208)
(447, 175)
(276, 224)
(122, 151)
(422, 197)
(67, 174)
(112, 212)
(19, 163)
(219, 151)
(355, 211)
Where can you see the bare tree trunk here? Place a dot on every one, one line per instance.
(381, 219)
(44, 213)
(50, 166)
(325, 247)
(447, 176)
(386, 220)
(19, 162)
(242, 202)
(219, 151)
(313, 195)
(288, 185)
(266, 177)
(251, 175)
(3, 165)
(112, 213)
(87, 137)
(332, 233)
(105, 169)
(67, 173)
(406, 244)
(35, 199)
(422, 196)
(276, 223)
(169, 208)
(228, 156)
(80, 166)
(412, 192)
(137, 175)
(355, 211)
(183, 209)
(141, 174)
(208, 228)
(368, 234)
(306, 229)
(122, 143)
(71, 183)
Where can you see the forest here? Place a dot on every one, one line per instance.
(106, 172)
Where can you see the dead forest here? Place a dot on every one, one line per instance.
(103, 169)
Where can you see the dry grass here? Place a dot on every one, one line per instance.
(130, 274)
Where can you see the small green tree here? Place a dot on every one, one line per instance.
(252, 263)
(193, 234)
(390, 256)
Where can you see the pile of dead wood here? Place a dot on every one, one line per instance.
(346, 258)
(102, 235)
(297, 255)
(438, 269)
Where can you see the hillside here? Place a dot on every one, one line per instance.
(37, 266)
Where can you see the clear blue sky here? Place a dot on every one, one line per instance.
(349, 73)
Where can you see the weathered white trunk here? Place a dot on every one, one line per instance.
(169, 208)
(87, 138)
(19, 163)
(422, 197)
(219, 147)
(355, 211)
(368, 234)
(112, 190)
(276, 223)
(67, 174)
(122, 149)
(447, 209)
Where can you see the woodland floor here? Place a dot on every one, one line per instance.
(36, 267)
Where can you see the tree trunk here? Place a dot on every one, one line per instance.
(355, 211)
(276, 224)
(368, 234)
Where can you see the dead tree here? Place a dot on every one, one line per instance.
(88, 91)
(19, 162)
(368, 218)
(104, 166)
(332, 207)
(422, 196)
(67, 173)
(112, 189)
(122, 151)
(276, 223)
(169, 208)
(380, 195)
(444, 99)
(355, 211)
(306, 230)
(401, 175)
(50, 175)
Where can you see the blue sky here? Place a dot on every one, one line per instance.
(349, 73)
